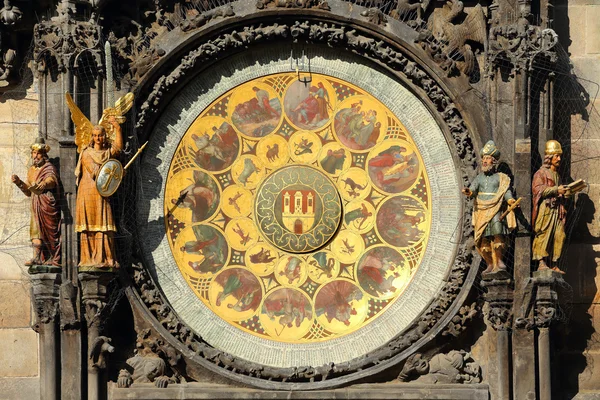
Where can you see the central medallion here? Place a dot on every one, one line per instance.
(298, 209)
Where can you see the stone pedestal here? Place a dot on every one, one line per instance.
(46, 291)
(94, 286)
(499, 298)
(545, 283)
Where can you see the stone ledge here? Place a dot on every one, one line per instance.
(196, 391)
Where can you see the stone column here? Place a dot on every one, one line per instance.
(46, 289)
(499, 299)
(546, 301)
(94, 287)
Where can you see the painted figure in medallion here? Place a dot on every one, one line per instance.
(377, 270)
(312, 109)
(242, 286)
(216, 150)
(356, 128)
(42, 186)
(399, 221)
(549, 213)
(491, 190)
(201, 197)
(209, 244)
(289, 305)
(392, 170)
(94, 218)
(258, 116)
(335, 301)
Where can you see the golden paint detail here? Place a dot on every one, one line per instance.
(352, 233)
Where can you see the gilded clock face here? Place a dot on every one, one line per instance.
(297, 213)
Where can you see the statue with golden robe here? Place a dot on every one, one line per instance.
(43, 187)
(94, 218)
(549, 212)
(492, 218)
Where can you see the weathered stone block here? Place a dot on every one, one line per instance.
(18, 352)
(15, 308)
(9, 269)
(19, 388)
(578, 28)
(592, 34)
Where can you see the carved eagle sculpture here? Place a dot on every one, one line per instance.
(83, 126)
(456, 36)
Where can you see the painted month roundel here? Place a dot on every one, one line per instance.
(297, 213)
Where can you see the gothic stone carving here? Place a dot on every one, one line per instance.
(375, 16)
(149, 364)
(319, 4)
(203, 18)
(452, 367)
(46, 288)
(447, 42)
(101, 347)
(519, 43)
(499, 299)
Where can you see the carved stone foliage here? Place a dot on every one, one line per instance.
(10, 16)
(202, 19)
(459, 322)
(519, 44)
(318, 4)
(380, 52)
(46, 289)
(452, 367)
(499, 299)
(62, 40)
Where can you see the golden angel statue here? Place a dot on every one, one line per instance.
(93, 215)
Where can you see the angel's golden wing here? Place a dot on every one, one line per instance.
(121, 107)
(83, 126)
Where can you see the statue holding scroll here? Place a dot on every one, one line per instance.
(42, 186)
(493, 218)
(94, 218)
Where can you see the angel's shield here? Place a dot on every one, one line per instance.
(109, 178)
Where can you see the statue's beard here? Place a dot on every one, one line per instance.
(39, 163)
(488, 168)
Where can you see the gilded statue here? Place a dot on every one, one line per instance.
(94, 219)
(493, 217)
(42, 186)
(549, 212)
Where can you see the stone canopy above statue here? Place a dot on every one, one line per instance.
(300, 217)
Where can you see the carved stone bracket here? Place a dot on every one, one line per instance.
(46, 289)
(499, 299)
(542, 300)
(94, 288)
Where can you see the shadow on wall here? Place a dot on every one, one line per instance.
(577, 336)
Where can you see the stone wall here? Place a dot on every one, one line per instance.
(578, 338)
(19, 368)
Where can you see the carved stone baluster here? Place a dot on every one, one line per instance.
(94, 297)
(499, 298)
(46, 289)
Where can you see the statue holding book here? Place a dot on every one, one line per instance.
(42, 186)
(549, 209)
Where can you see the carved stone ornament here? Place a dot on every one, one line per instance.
(150, 363)
(452, 367)
(203, 18)
(378, 51)
(62, 40)
(94, 294)
(519, 44)
(499, 300)
(99, 350)
(319, 4)
(541, 300)
(46, 287)
(375, 16)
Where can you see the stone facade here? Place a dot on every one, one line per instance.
(150, 60)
